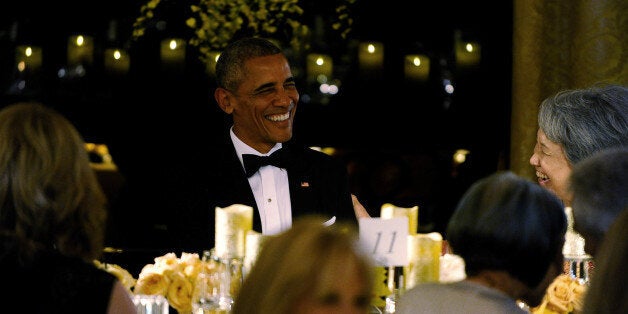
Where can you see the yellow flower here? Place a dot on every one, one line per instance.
(179, 293)
(152, 281)
(190, 264)
(564, 295)
(170, 276)
(173, 277)
(122, 274)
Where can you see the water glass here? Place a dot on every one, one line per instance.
(151, 304)
(217, 284)
(579, 267)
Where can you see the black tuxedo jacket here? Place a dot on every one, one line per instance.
(318, 185)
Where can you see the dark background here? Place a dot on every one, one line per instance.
(396, 136)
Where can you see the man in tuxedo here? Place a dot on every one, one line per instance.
(255, 163)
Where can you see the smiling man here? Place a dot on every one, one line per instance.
(256, 162)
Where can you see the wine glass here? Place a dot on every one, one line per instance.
(216, 284)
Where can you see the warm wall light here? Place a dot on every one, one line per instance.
(319, 67)
(28, 58)
(417, 67)
(460, 156)
(117, 61)
(468, 53)
(371, 55)
(80, 50)
(211, 62)
(172, 51)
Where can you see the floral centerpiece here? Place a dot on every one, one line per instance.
(564, 295)
(171, 277)
(174, 279)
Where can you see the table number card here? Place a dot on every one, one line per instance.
(385, 239)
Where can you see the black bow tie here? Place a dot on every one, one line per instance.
(252, 163)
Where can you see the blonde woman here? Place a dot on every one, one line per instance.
(52, 218)
(310, 268)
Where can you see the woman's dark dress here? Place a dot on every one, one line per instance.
(48, 282)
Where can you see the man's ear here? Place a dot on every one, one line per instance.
(223, 98)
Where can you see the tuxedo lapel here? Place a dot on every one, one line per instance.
(301, 191)
(302, 188)
(230, 182)
(317, 185)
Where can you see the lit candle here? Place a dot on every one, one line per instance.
(391, 211)
(467, 53)
(80, 50)
(212, 58)
(172, 51)
(424, 250)
(319, 68)
(232, 225)
(254, 243)
(28, 58)
(117, 61)
(417, 67)
(371, 55)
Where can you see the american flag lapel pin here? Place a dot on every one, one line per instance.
(305, 184)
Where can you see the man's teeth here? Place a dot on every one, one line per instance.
(279, 118)
(541, 175)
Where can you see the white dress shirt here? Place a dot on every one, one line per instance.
(271, 190)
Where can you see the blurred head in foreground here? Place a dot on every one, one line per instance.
(49, 194)
(607, 288)
(310, 268)
(600, 192)
(510, 233)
